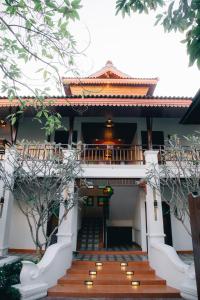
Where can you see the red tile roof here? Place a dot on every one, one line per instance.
(140, 101)
(124, 81)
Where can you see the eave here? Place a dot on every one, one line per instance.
(104, 100)
(99, 81)
(192, 116)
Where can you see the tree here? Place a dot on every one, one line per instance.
(178, 175)
(36, 31)
(40, 184)
(181, 15)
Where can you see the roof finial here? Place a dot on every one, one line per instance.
(109, 63)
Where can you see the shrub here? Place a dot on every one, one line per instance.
(9, 275)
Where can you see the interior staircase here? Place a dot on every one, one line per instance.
(111, 281)
(90, 237)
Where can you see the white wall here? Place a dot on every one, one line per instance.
(122, 203)
(30, 129)
(139, 220)
(181, 239)
(20, 236)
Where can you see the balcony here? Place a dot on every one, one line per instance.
(95, 154)
(111, 154)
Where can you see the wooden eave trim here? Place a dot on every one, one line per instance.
(111, 102)
(89, 81)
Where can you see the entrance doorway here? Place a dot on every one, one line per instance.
(113, 223)
(119, 236)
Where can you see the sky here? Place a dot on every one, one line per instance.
(135, 46)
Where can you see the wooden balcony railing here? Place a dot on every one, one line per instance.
(112, 154)
(96, 154)
(40, 151)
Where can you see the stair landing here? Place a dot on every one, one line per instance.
(111, 281)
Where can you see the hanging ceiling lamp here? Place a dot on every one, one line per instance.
(109, 123)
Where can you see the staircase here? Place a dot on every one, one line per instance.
(90, 236)
(111, 281)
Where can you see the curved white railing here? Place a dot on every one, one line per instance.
(169, 266)
(35, 279)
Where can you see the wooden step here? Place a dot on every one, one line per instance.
(109, 263)
(112, 282)
(138, 271)
(111, 269)
(106, 279)
(118, 291)
(113, 252)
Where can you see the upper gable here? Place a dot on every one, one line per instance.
(109, 71)
(110, 81)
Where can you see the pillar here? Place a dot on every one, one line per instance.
(149, 122)
(67, 231)
(155, 229)
(6, 208)
(142, 199)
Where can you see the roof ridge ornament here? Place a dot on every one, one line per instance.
(109, 63)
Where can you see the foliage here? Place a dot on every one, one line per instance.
(41, 184)
(182, 15)
(9, 275)
(179, 174)
(36, 32)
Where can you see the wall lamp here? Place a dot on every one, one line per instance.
(1, 206)
(2, 123)
(155, 204)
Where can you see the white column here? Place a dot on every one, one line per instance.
(67, 231)
(142, 199)
(155, 231)
(5, 218)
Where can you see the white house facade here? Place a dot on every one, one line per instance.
(120, 129)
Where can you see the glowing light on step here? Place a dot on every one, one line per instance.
(123, 264)
(135, 283)
(92, 272)
(88, 282)
(99, 264)
(128, 273)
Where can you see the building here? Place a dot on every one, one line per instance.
(117, 123)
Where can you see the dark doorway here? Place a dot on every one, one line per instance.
(62, 136)
(123, 132)
(157, 139)
(167, 223)
(51, 225)
(119, 236)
